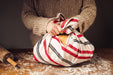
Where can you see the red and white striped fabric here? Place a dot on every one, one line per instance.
(50, 50)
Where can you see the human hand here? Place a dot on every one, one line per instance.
(54, 29)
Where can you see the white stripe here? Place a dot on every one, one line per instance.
(35, 53)
(57, 46)
(72, 50)
(72, 24)
(43, 54)
(89, 47)
(56, 59)
(85, 55)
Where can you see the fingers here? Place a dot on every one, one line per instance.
(56, 30)
(60, 29)
(52, 33)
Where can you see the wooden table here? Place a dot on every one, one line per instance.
(101, 64)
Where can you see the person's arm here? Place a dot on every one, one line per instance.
(31, 19)
(87, 15)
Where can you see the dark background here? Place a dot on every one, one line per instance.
(13, 33)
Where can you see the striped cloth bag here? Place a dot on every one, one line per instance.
(77, 49)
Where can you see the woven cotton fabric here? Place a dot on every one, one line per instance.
(50, 50)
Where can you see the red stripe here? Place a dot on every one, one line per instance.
(56, 39)
(44, 43)
(63, 23)
(54, 21)
(69, 52)
(65, 31)
(35, 58)
(75, 49)
(81, 52)
(74, 33)
(80, 57)
(74, 20)
(88, 52)
(80, 35)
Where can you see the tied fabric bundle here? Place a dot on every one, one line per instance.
(51, 50)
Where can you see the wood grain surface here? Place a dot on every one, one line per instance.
(100, 64)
